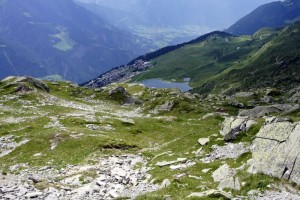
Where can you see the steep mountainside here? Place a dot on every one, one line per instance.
(219, 62)
(163, 23)
(275, 14)
(140, 64)
(275, 65)
(40, 38)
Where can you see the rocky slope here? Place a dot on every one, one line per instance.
(62, 141)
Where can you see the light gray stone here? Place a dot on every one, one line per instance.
(230, 183)
(232, 126)
(203, 141)
(33, 194)
(165, 183)
(166, 163)
(276, 151)
(223, 172)
(210, 193)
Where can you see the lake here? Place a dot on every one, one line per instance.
(157, 83)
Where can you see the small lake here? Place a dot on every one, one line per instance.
(156, 83)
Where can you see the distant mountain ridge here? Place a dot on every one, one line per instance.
(40, 38)
(139, 64)
(273, 15)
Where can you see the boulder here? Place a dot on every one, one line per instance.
(166, 107)
(166, 163)
(230, 183)
(223, 172)
(230, 150)
(267, 99)
(210, 193)
(35, 82)
(121, 95)
(232, 126)
(203, 141)
(261, 111)
(276, 151)
(165, 183)
(244, 94)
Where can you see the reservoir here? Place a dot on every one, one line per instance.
(157, 83)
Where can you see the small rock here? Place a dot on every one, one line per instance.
(230, 183)
(33, 194)
(165, 163)
(119, 172)
(9, 196)
(210, 193)
(34, 179)
(222, 173)
(165, 183)
(206, 170)
(203, 141)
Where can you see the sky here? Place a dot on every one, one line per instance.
(218, 14)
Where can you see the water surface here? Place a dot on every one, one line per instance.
(157, 83)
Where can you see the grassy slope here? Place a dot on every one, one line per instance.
(203, 60)
(175, 132)
(275, 65)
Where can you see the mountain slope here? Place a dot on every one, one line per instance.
(200, 61)
(40, 38)
(275, 14)
(219, 62)
(163, 23)
(275, 65)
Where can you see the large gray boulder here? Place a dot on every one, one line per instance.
(276, 151)
(20, 81)
(232, 126)
(121, 95)
(166, 107)
(261, 111)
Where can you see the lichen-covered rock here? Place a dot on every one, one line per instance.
(276, 151)
(232, 126)
(121, 95)
(209, 193)
(21, 83)
(261, 111)
(230, 183)
(223, 172)
(166, 107)
(203, 141)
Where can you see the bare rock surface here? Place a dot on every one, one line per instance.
(208, 193)
(276, 151)
(232, 126)
(230, 150)
(223, 173)
(261, 111)
(115, 176)
(8, 144)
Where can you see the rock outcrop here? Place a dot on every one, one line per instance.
(276, 151)
(261, 111)
(121, 95)
(232, 126)
(166, 107)
(20, 82)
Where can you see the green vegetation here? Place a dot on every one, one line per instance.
(64, 42)
(228, 64)
(59, 124)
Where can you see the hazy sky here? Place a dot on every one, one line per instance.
(218, 14)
